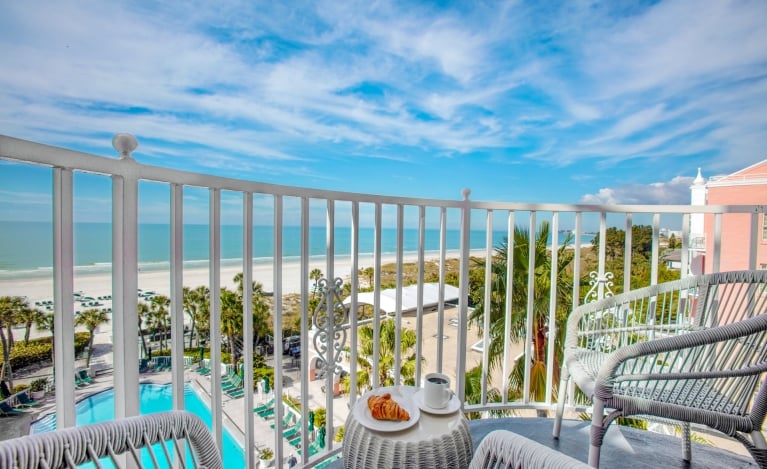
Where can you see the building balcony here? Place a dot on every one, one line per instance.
(346, 261)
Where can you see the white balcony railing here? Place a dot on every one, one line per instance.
(361, 216)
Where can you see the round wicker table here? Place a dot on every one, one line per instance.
(436, 440)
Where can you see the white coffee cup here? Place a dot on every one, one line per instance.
(436, 390)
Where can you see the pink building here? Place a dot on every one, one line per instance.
(747, 186)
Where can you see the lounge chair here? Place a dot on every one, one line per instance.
(689, 351)
(235, 393)
(180, 433)
(295, 440)
(7, 411)
(266, 413)
(25, 401)
(314, 448)
(292, 431)
(79, 382)
(234, 383)
(83, 375)
(285, 420)
(265, 406)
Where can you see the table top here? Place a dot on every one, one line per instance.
(436, 440)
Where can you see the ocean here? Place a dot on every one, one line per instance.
(26, 248)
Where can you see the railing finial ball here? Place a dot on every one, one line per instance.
(124, 143)
(466, 192)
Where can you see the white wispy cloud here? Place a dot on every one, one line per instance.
(674, 192)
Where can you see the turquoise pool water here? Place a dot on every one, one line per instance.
(152, 398)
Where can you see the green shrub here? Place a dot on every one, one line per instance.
(260, 373)
(39, 350)
(38, 385)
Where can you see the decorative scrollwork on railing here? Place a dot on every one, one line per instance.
(595, 292)
(329, 347)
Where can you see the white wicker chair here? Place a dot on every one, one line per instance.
(179, 431)
(502, 449)
(691, 351)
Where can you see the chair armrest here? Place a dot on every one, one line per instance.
(504, 449)
(74, 446)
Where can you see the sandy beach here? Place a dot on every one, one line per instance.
(96, 285)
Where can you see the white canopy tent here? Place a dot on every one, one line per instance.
(409, 297)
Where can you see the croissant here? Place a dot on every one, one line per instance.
(383, 407)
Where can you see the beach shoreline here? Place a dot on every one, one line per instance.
(95, 285)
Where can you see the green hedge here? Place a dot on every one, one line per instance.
(39, 349)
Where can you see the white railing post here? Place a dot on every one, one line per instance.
(463, 300)
(125, 278)
(63, 286)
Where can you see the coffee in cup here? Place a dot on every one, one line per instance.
(436, 390)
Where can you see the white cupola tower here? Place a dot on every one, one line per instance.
(697, 197)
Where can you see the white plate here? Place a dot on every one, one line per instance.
(452, 405)
(363, 415)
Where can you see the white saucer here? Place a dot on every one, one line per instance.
(452, 405)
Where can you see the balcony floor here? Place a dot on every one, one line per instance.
(624, 447)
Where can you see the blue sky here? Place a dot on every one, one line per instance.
(562, 102)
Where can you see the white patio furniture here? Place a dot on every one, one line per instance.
(120, 441)
(502, 449)
(434, 441)
(690, 351)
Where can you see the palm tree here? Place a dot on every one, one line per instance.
(29, 316)
(9, 307)
(386, 355)
(368, 272)
(540, 313)
(315, 275)
(143, 317)
(160, 317)
(231, 320)
(91, 319)
(45, 323)
(260, 308)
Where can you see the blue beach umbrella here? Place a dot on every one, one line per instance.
(311, 420)
(266, 385)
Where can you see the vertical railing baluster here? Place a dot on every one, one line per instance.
(63, 289)
(442, 262)
(531, 230)
(655, 249)
(353, 306)
(627, 253)
(508, 303)
(214, 233)
(686, 258)
(577, 261)
(277, 311)
(551, 333)
(376, 296)
(602, 254)
(177, 293)
(330, 250)
(398, 298)
(247, 325)
(419, 311)
(488, 310)
(716, 263)
(463, 289)
(306, 322)
(125, 278)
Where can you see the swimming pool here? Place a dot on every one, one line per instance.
(152, 398)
